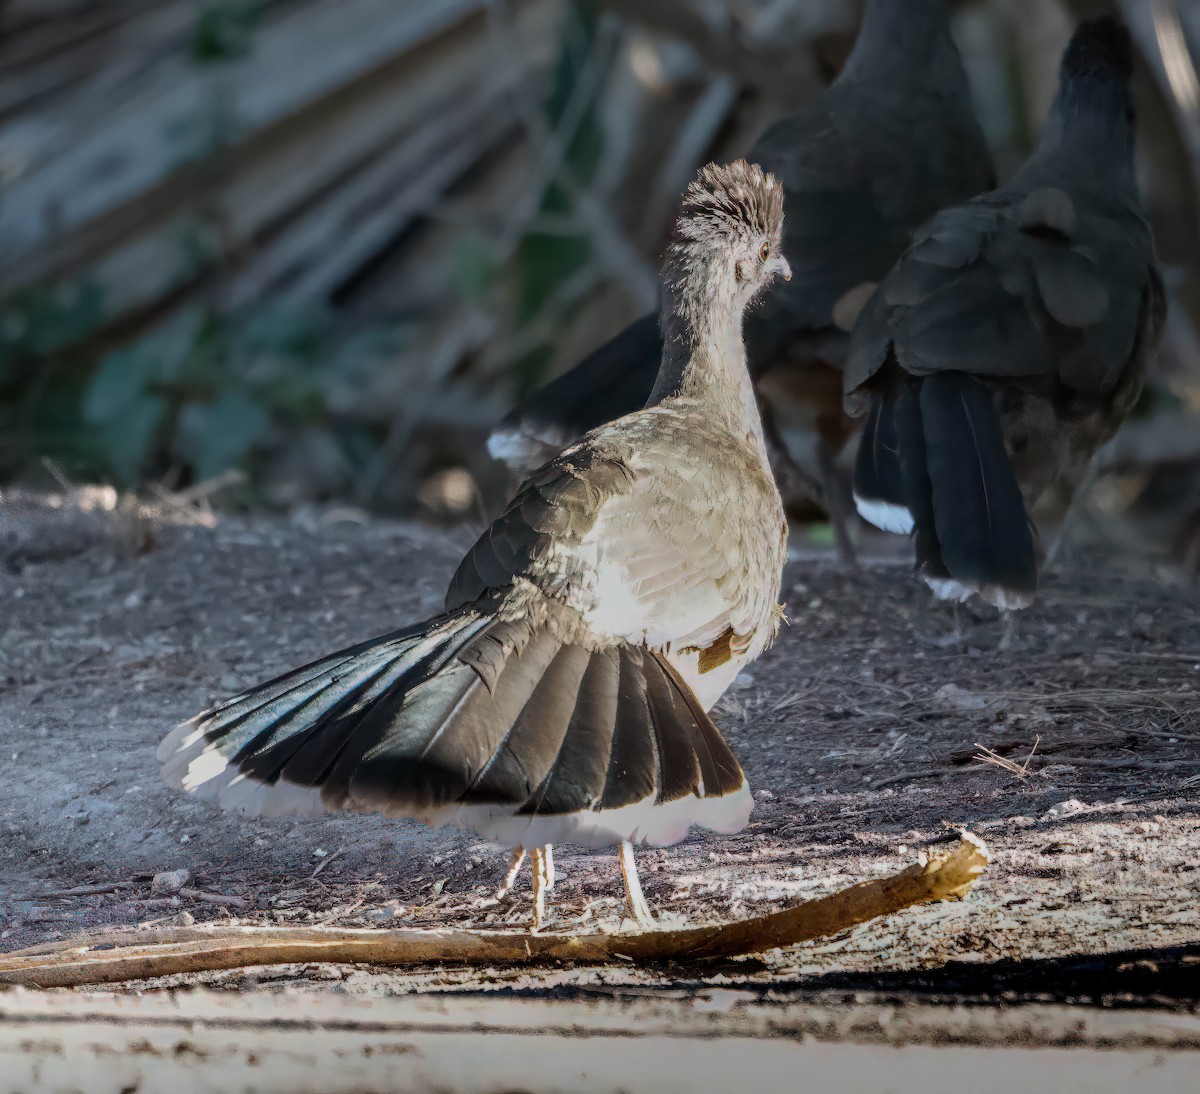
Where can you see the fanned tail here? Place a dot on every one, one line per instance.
(496, 727)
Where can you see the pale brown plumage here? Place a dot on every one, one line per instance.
(563, 695)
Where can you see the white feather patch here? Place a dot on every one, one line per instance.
(512, 447)
(885, 515)
(644, 823)
(947, 588)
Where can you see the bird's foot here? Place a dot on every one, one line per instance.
(510, 875)
(633, 888)
(542, 860)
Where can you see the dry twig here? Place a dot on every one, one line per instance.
(948, 876)
(1020, 770)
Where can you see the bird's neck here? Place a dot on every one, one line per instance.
(901, 41)
(704, 355)
(1088, 134)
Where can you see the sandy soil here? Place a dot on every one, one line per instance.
(859, 732)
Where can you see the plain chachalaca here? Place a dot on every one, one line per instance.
(891, 142)
(563, 694)
(1010, 340)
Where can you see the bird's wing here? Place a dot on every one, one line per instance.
(636, 534)
(1030, 286)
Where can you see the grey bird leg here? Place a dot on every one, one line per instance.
(633, 886)
(1074, 511)
(930, 627)
(510, 875)
(548, 851)
(541, 874)
(828, 491)
(1008, 634)
(837, 504)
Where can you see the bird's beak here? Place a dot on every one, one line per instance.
(780, 268)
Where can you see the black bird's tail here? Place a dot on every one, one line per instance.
(613, 381)
(878, 485)
(496, 727)
(971, 529)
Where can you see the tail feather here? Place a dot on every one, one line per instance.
(288, 734)
(915, 481)
(427, 743)
(878, 483)
(521, 762)
(669, 717)
(719, 769)
(982, 528)
(580, 771)
(496, 726)
(633, 763)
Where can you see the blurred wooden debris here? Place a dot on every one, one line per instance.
(306, 156)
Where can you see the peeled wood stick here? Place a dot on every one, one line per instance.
(946, 876)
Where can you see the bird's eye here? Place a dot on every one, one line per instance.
(764, 251)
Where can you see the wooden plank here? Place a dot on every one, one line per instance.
(314, 194)
(305, 57)
(716, 1040)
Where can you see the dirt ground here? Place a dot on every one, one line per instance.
(860, 732)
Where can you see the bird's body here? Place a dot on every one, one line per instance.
(657, 552)
(563, 695)
(1010, 341)
(893, 140)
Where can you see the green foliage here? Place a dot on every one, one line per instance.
(42, 320)
(475, 272)
(36, 401)
(224, 30)
(212, 394)
(211, 391)
(205, 395)
(545, 260)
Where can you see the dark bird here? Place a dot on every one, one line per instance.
(563, 695)
(891, 142)
(1010, 340)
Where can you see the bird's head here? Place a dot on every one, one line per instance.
(1099, 46)
(1093, 110)
(730, 231)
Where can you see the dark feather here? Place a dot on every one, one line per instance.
(576, 781)
(982, 528)
(463, 711)
(877, 466)
(890, 143)
(633, 763)
(529, 750)
(674, 734)
(914, 477)
(721, 772)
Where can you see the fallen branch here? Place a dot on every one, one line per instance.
(82, 890)
(948, 876)
(213, 898)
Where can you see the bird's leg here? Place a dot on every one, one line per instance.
(540, 878)
(633, 886)
(930, 624)
(510, 875)
(1074, 511)
(548, 851)
(836, 503)
(1008, 634)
